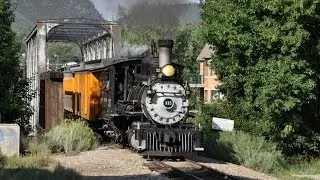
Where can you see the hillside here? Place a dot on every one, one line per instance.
(29, 11)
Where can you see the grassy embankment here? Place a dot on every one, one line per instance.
(37, 162)
(247, 149)
(258, 154)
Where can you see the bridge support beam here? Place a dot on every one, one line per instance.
(36, 64)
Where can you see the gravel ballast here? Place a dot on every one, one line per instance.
(109, 162)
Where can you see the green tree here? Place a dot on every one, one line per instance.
(14, 95)
(268, 61)
(188, 43)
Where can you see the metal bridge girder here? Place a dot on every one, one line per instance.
(96, 38)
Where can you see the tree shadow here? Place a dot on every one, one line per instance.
(35, 173)
(129, 177)
(61, 173)
(202, 174)
(221, 151)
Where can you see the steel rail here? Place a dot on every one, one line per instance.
(178, 173)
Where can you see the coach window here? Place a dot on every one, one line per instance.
(205, 95)
(216, 95)
(78, 97)
(105, 81)
(147, 70)
(138, 70)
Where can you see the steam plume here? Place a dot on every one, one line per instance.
(108, 8)
(133, 50)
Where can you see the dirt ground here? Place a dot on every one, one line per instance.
(110, 162)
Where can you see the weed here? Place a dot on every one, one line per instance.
(38, 147)
(36, 163)
(30, 161)
(244, 149)
(71, 137)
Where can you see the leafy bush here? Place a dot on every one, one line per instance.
(248, 149)
(250, 122)
(38, 147)
(71, 137)
(205, 114)
(244, 149)
(2, 159)
(265, 60)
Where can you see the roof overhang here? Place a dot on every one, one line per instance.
(206, 53)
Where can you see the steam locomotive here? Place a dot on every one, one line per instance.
(140, 101)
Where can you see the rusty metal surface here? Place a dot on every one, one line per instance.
(51, 100)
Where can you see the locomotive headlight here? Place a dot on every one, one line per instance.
(168, 70)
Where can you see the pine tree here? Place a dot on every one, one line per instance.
(14, 95)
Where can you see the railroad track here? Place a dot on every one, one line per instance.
(188, 170)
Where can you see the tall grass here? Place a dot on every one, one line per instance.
(37, 155)
(71, 137)
(31, 167)
(35, 163)
(244, 149)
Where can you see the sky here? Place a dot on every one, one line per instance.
(108, 8)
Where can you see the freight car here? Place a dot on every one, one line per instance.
(140, 101)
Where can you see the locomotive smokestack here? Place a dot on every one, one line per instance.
(165, 50)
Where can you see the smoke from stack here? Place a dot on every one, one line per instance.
(160, 1)
(133, 50)
(108, 8)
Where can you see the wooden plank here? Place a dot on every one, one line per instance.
(51, 100)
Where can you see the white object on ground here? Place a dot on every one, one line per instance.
(222, 124)
(10, 139)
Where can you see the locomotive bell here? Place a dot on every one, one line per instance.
(165, 50)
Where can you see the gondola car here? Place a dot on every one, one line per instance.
(141, 102)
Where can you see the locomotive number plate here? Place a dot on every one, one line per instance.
(168, 103)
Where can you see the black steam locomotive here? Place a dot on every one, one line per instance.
(142, 102)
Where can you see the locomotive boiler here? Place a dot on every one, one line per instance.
(141, 102)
